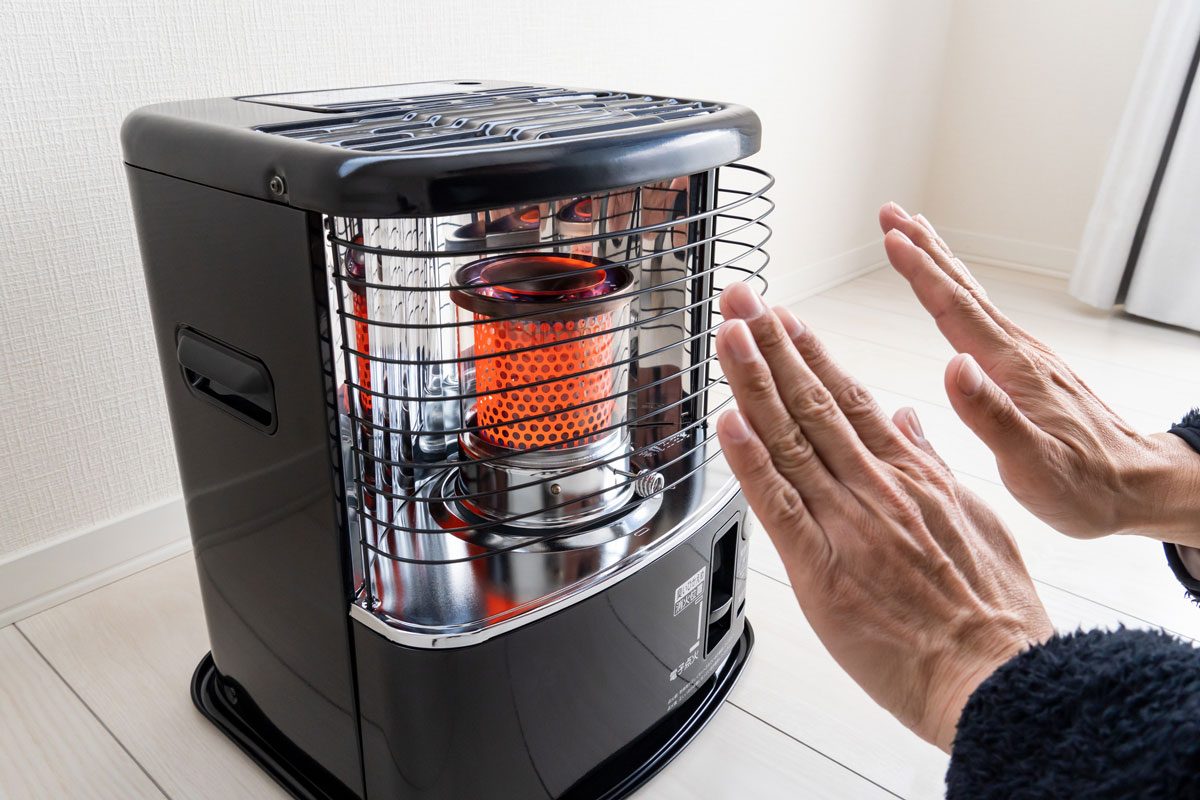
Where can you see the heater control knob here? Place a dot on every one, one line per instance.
(648, 482)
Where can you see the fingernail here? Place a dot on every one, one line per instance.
(734, 427)
(970, 377)
(914, 425)
(741, 343)
(743, 302)
(794, 327)
(899, 211)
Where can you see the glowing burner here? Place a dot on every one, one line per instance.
(551, 369)
(578, 210)
(564, 339)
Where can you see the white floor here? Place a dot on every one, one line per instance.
(93, 693)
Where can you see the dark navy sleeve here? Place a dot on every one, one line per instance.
(1098, 715)
(1187, 429)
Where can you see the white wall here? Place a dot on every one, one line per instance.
(846, 91)
(1033, 94)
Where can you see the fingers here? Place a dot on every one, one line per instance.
(990, 413)
(920, 231)
(774, 499)
(759, 400)
(929, 240)
(869, 421)
(778, 365)
(958, 314)
(907, 423)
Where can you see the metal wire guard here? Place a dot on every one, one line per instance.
(723, 243)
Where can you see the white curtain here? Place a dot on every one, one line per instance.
(1141, 245)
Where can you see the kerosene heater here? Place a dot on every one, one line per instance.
(439, 361)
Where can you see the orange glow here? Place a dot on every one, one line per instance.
(583, 209)
(362, 343)
(498, 404)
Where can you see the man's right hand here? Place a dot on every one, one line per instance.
(1062, 453)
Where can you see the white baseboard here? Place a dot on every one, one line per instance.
(36, 578)
(792, 285)
(1016, 254)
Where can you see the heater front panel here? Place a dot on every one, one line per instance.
(556, 709)
(525, 395)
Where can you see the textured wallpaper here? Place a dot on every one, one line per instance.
(84, 430)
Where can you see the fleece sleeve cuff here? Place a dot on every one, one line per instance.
(1092, 714)
(1187, 429)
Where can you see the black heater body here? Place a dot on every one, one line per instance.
(439, 365)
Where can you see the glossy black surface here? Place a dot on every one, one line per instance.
(269, 550)
(585, 703)
(225, 706)
(531, 713)
(213, 142)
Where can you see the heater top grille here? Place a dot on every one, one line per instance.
(435, 148)
(485, 119)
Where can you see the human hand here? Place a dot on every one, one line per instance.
(1062, 453)
(911, 582)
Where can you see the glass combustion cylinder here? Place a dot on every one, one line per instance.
(550, 367)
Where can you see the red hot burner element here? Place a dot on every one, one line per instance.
(578, 210)
(573, 339)
(523, 220)
(355, 268)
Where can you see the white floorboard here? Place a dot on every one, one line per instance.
(129, 650)
(738, 756)
(131, 660)
(51, 746)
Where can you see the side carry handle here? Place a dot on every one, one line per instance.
(229, 379)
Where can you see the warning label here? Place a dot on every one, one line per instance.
(715, 659)
(689, 592)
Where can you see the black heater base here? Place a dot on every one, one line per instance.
(236, 717)
(617, 777)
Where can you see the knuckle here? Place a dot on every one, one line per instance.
(963, 270)
(920, 236)
(854, 399)
(784, 507)
(774, 499)
(814, 402)
(757, 464)
(770, 334)
(759, 382)
(963, 302)
(811, 348)
(1044, 371)
(793, 452)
